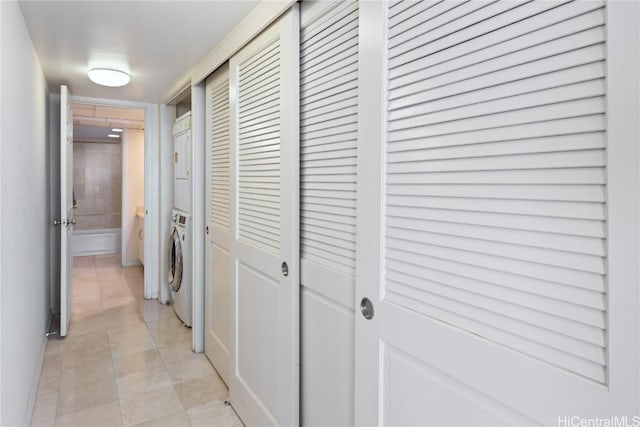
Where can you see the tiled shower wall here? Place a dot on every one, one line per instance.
(97, 182)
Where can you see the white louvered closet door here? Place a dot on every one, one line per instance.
(507, 238)
(328, 137)
(264, 78)
(218, 287)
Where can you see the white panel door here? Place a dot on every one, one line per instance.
(264, 78)
(218, 205)
(66, 207)
(328, 160)
(499, 198)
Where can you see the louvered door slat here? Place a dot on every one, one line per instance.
(219, 159)
(538, 215)
(259, 148)
(518, 340)
(259, 62)
(494, 16)
(520, 49)
(585, 193)
(531, 176)
(335, 17)
(330, 58)
(523, 287)
(572, 142)
(495, 174)
(400, 11)
(334, 107)
(562, 20)
(442, 19)
(469, 211)
(526, 59)
(340, 31)
(592, 88)
(562, 309)
(328, 140)
(328, 101)
(560, 242)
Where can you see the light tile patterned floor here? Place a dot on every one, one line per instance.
(125, 361)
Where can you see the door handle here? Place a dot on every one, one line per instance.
(366, 307)
(140, 234)
(57, 222)
(206, 229)
(72, 222)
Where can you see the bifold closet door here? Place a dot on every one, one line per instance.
(328, 160)
(264, 78)
(503, 169)
(218, 287)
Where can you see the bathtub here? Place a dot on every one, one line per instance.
(96, 242)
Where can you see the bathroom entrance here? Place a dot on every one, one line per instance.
(108, 182)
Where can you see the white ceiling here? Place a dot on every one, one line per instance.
(157, 42)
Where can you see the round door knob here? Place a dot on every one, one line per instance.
(285, 269)
(366, 307)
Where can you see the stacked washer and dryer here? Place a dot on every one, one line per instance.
(180, 236)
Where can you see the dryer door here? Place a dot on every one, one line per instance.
(175, 261)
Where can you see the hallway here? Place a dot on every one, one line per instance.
(126, 361)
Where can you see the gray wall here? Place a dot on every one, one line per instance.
(97, 182)
(24, 218)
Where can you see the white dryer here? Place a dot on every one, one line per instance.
(182, 163)
(180, 265)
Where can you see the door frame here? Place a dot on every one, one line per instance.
(152, 188)
(198, 220)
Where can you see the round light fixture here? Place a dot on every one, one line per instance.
(113, 135)
(107, 77)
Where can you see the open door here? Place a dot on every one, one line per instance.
(66, 209)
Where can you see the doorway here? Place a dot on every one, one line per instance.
(108, 204)
(108, 183)
(138, 123)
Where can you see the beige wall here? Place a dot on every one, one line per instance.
(97, 182)
(133, 177)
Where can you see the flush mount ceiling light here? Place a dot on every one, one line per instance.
(113, 135)
(107, 77)
(116, 130)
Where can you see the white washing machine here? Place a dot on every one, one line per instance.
(180, 265)
(182, 163)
